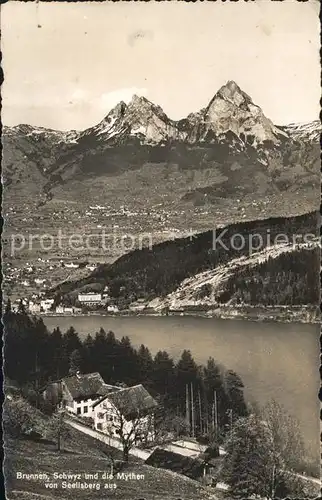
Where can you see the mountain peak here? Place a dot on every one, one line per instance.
(139, 99)
(233, 93)
(119, 109)
(232, 85)
(231, 109)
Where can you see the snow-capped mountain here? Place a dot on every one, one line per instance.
(41, 133)
(230, 111)
(308, 131)
(140, 118)
(232, 145)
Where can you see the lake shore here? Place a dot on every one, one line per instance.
(276, 360)
(281, 314)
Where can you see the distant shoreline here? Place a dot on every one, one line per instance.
(279, 314)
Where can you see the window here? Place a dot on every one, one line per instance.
(100, 415)
(78, 411)
(99, 426)
(85, 409)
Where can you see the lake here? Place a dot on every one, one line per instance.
(274, 360)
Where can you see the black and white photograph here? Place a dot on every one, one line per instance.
(161, 250)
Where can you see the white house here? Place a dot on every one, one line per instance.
(90, 298)
(79, 393)
(39, 281)
(112, 308)
(34, 307)
(91, 267)
(60, 309)
(46, 304)
(126, 411)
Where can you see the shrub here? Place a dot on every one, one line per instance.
(20, 418)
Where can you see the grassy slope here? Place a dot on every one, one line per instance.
(82, 455)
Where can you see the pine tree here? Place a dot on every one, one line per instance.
(187, 374)
(163, 377)
(234, 389)
(75, 362)
(145, 365)
(248, 466)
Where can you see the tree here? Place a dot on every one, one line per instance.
(168, 426)
(88, 360)
(248, 466)
(70, 342)
(75, 362)
(215, 400)
(132, 426)
(234, 389)
(55, 346)
(145, 365)
(285, 435)
(261, 451)
(58, 428)
(187, 376)
(20, 418)
(163, 374)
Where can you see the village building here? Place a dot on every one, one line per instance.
(194, 468)
(39, 281)
(46, 304)
(77, 393)
(112, 308)
(60, 309)
(90, 298)
(91, 267)
(129, 410)
(203, 466)
(34, 307)
(68, 310)
(114, 410)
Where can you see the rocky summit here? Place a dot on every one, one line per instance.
(227, 149)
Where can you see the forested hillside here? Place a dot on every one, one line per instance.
(157, 272)
(35, 356)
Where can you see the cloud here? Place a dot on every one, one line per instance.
(78, 95)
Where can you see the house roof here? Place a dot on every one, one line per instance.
(164, 459)
(131, 401)
(107, 388)
(84, 386)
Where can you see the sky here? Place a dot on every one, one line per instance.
(67, 64)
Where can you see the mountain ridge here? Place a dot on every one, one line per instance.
(225, 92)
(228, 145)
